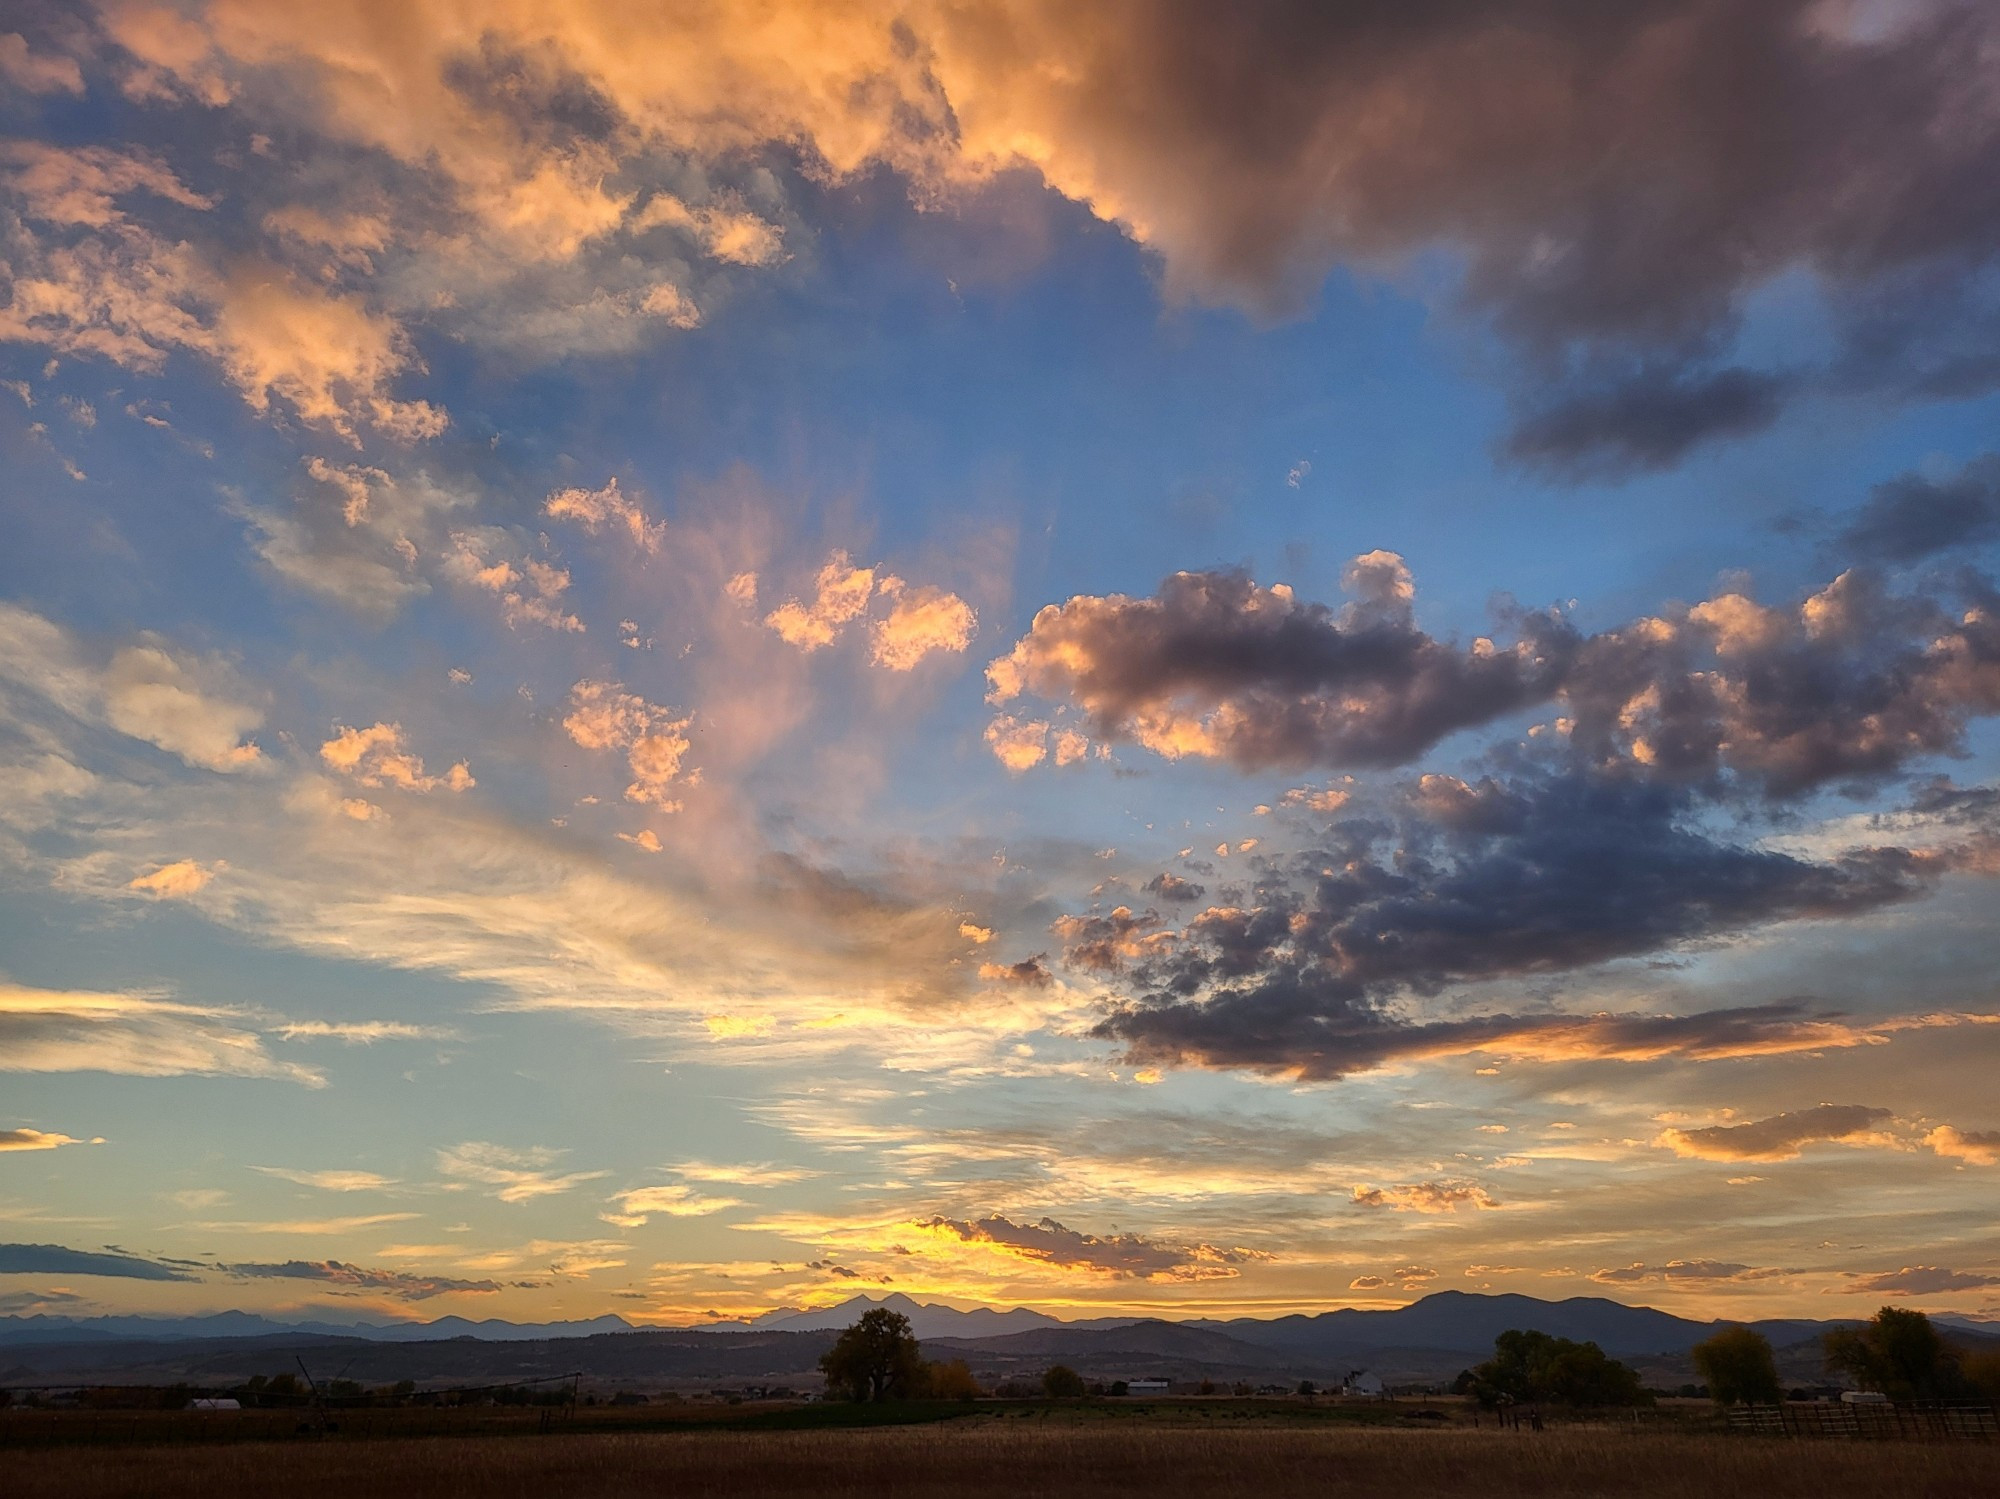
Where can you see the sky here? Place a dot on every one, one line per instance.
(683, 659)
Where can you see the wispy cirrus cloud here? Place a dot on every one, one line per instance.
(517, 1175)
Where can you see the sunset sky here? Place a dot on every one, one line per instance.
(679, 658)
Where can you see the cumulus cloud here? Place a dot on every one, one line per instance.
(841, 592)
(1218, 667)
(1613, 203)
(1851, 681)
(193, 707)
(530, 590)
(1121, 1256)
(1920, 1280)
(1426, 1197)
(54, 1259)
(137, 1035)
(1780, 1137)
(358, 535)
(1554, 870)
(607, 508)
(176, 881)
(518, 1175)
(604, 716)
(1975, 1147)
(379, 756)
(347, 1279)
(921, 621)
(91, 279)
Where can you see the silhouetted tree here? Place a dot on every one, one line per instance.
(1061, 1382)
(1532, 1368)
(1737, 1365)
(1897, 1352)
(875, 1358)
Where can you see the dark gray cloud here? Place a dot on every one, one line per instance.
(1779, 1137)
(1619, 179)
(1126, 1256)
(54, 1259)
(1554, 869)
(1648, 420)
(1217, 666)
(1850, 682)
(1911, 517)
(403, 1285)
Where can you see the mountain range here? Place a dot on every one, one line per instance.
(1445, 1320)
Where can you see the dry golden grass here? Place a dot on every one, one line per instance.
(1047, 1460)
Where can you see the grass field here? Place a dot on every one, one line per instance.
(1041, 1457)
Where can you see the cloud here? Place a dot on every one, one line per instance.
(1556, 870)
(1605, 197)
(354, 1279)
(1700, 1272)
(1405, 1277)
(1919, 1280)
(597, 509)
(357, 534)
(603, 715)
(329, 357)
(177, 881)
(922, 621)
(1032, 972)
(53, 1259)
(376, 756)
(841, 593)
(1426, 1197)
(37, 72)
(193, 707)
(1975, 1147)
(530, 590)
(1851, 681)
(1646, 420)
(1217, 667)
(362, 1032)
(152, 695)
(90, 279)
(673, 1200)
(137, 1035)
(1121, 1256)
(521, 1175)
(330, 1181)
(1913, 517)
(1779, 1137)
(751, 1174)
(34, 1139)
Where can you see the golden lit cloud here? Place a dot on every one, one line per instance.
(176, 881)
(376, 756)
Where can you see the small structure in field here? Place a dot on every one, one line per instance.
(1145, 1387)
(1365, 1385)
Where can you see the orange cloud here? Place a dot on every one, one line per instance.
(176, 881)
(604, 716)
(1976, 1147)
(375, 756)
